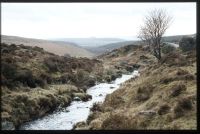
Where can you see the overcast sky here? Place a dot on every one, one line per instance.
(66, 20)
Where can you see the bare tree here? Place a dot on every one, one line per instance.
(155, 25)
(144, 36)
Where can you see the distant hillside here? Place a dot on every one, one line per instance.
(98, 50)
(90, 42)
(176, 38)
(109, 47)
(56, 47)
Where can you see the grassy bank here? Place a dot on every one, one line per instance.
(163, 97)
(35, 82)
(26, 104)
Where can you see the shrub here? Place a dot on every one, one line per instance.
(118, 121)
(38, 49)
(64, 78)
(25, 47)
(128, 48)
(187, 43)
(166, 80)
(177, 90)
(95, 124)
(185, 103)
(91, 81)
(107, 78)
(189, 77)
(181, 105)
(67, 56)
(44, 102)
(8, 70)
(25, 77)
(129, 68)
(82, 75)
(119, 73)
(168, 48)
(91, 117)
(122, 63)
(72, 78)
(5, 50)
(113, 77)
(21, 98)
(109, 72)
(4, 81)
(74, 65)
(136, 66)
(174, 59)
(5, 115)
(40, 82)
(178, 111)
(52, 66)
(13, 46)
(79, 125)
(163, 109)
(96, 107)
(46, 77)
(182, 72)
(143, 93)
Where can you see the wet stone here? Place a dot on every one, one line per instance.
(6, 125)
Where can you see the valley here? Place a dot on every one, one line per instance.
(162, 97)
(37, 84)
(99, 66)
(57, 47)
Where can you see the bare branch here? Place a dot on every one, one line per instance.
(155, 24)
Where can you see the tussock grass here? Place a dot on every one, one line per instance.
(20, 106)
(168, 89)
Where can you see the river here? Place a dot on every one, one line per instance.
(78, 110)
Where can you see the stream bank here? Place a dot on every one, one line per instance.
(78, 110)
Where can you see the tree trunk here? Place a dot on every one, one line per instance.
(159, 48)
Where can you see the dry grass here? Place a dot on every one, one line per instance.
(168, 89)
(22, 106)
(58, 48)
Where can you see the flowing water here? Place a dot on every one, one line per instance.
(78, 110)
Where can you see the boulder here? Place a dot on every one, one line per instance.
(135, 66)
(113, 77)
(81, 96)
(129, 68)
(7, 125)
(91, 81)
(77, 99)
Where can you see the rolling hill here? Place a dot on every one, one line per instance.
(109, 47)
(175, 38)
(90, 42)
(98, 50)
(56, 47)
